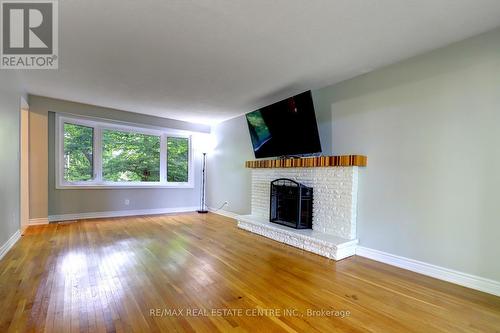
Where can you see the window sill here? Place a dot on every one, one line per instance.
(122, 187)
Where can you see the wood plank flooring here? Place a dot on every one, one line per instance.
(199, 273)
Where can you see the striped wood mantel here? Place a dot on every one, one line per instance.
(310, 162)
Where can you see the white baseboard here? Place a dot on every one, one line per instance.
(224, 213)
(9, 243)
(39, 221)
(446, 274)
(119, 213)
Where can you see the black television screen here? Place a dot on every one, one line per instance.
(285, 128)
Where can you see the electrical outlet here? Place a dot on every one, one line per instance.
(127, 202)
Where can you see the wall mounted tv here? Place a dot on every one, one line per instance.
(285, 128)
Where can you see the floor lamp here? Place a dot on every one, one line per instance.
(203, 206)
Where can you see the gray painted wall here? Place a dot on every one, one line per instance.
(51, 201)
(10, 103)
(430, 127)
(227, 178)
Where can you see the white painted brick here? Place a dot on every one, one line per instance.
(335, 196)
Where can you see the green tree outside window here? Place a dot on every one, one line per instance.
(126, 156)
(177, 160)
(130, 157)
(78, 153)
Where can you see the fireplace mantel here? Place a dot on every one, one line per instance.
(310, 162)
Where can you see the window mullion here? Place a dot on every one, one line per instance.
(98, 154)
(59, 150)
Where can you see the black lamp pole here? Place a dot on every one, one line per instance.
(203, 209)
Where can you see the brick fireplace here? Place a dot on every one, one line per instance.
(335, 186)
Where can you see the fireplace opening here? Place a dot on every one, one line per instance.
(291, 204)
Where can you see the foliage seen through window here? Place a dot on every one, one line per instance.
(78, 153)
(177, 159)
(130, 157)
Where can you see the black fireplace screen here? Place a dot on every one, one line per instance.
(291, 204)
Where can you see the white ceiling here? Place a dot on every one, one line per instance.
(206, 61)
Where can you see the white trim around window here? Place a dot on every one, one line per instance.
(99, 126)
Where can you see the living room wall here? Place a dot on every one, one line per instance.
(10, 105)
(227, 179)
(46, 200)
(429, 126)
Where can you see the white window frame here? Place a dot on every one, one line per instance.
(99, 125)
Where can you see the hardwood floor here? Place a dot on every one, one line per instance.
(199, 273)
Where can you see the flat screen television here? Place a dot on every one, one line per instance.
(285, 128)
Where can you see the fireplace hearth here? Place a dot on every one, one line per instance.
(291, 204)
